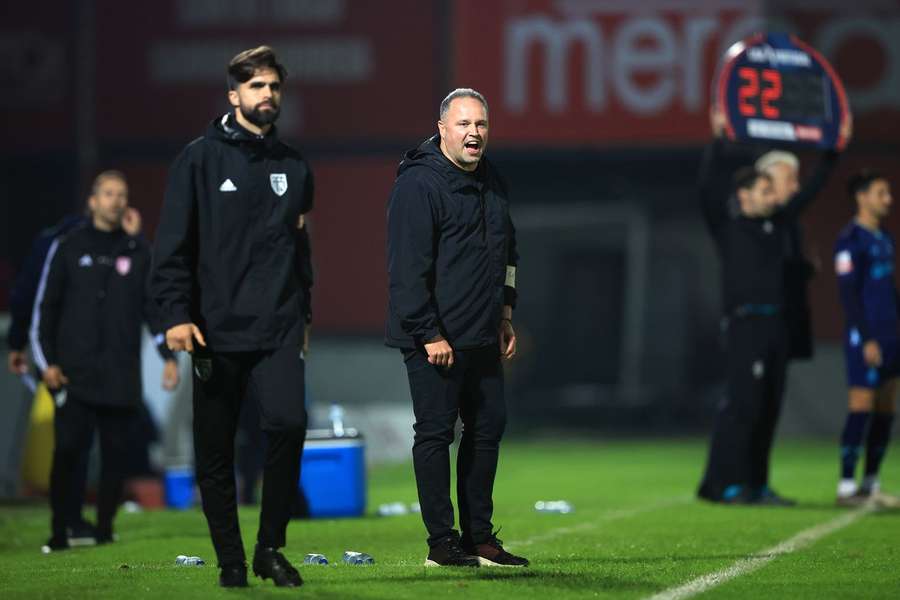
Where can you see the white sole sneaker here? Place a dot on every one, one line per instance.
(430, 563)
(484, 562)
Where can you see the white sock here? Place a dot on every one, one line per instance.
(846, 488)
(870, 484)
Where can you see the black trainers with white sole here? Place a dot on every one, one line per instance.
(82, 533)
(57, 543)
(492, 554)
(449, 553)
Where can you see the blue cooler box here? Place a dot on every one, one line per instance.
(333, 473)
(179, 486)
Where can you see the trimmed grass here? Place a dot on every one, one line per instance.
(636, 531)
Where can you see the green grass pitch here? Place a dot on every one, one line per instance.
(636, 531)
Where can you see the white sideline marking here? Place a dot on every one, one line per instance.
(612, 515)
(754, 562)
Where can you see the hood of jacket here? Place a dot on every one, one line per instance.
(228, 130)
(428, 155)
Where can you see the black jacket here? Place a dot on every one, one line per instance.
(92, 300)
(228, 254)
(451, 250)
(754, 251)
(24, 290)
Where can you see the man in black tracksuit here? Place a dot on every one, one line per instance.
(232, 276)
(750, 230)
(21, 307)
(86, 339)
(451, 263)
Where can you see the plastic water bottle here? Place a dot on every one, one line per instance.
(393, 509)
(189, 561)
(336, 414)
(358, 558)
(553, 506)
(315, 559)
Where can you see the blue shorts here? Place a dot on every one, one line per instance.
(859, 374)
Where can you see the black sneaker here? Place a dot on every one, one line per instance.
(492, 554)
(81, 533)
(57, 543)
(233, 575)
(105, 535)
(449, 553)
(737, 495)
(768, 497)
(269, 563)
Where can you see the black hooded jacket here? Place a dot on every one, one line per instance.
(228, 254)
(451, 252)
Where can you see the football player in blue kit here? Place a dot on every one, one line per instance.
(864, 261)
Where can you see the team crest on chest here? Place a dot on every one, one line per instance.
(123, 265)
(279, 183)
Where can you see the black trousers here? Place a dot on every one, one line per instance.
(471, 390)
(222, 382)
(748, 414)
(74, 423)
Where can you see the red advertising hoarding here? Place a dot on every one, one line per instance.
(357, 70)
(39, 69)
(584, 72)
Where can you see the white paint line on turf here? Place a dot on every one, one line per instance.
(612, 515)
(747, 565)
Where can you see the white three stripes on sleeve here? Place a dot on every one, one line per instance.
(35, 331)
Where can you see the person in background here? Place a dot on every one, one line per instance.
(85, 333)
(784, 169)
(21, 306)
(864, 259)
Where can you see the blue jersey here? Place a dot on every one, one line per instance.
(864, 262)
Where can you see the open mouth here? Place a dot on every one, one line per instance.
(473, 146)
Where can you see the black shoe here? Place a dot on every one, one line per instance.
(737, 494)
(492, 554)
(269, 563)
(233, 575)
(732, 494)
(81, 533)
(768, 497)
(57, 543)
(448, 553)
(105, 535)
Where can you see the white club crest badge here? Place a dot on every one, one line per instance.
(279, 183)
(123, 265)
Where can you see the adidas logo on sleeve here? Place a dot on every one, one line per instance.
(227, 186)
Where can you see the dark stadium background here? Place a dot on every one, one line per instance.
(618, 279)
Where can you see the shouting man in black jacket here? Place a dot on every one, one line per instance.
(86, 339)
(452, 268)
(232, 276)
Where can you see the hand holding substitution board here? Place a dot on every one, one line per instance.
(773, 87)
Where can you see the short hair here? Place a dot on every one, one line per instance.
(460, 93)
(103, 176)
(860, 182)
(245, 64)
(746, 177)
(772, 158)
